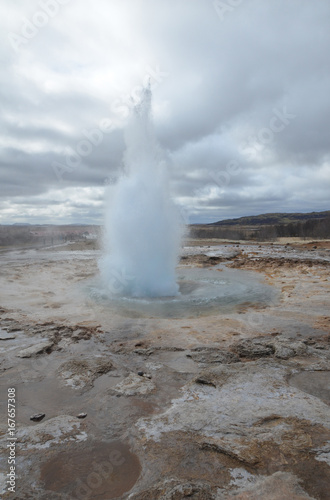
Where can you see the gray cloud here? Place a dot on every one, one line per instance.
(220, 86)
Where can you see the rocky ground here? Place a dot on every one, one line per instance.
(222, 406)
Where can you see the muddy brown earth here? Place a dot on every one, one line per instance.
(230, 404)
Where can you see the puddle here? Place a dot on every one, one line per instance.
(177, 362)
(314, 383)
(102, 471)
(46, 396)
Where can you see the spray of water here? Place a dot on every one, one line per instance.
(142, 230)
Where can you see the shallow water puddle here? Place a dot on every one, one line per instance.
(101, 471)
(314, 383)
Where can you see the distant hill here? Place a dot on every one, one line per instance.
(276, 218)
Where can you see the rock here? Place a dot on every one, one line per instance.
(134, 384)
(79, 373)
(278, 486)
(49, 327)
(173, 489)
(38, 417)
(286, 348)
(212, 355)
(81, 334)
(12, 329)
(82, 415)
(78, 334)
(35, 349)
(254, 348)
(57, 430)
(7, 336)
(309, 341)
(204, 381)
(283, 352)
(281, 347)
(323, 454)
(144, 352)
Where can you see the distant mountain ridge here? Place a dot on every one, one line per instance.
(272, 218)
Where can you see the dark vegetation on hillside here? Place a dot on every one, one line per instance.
(272, 219)
(310, 226)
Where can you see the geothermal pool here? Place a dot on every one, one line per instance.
(67, 284)
(201, 292)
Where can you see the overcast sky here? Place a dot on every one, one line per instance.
(241, 103)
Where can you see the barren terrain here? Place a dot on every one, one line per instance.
(231, 404)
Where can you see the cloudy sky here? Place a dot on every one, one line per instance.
(240, 103)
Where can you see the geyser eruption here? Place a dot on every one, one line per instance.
(142, 230)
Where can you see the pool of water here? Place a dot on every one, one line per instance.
(202, 292)
(315, 383)
(101, 471)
